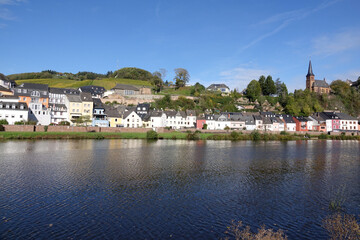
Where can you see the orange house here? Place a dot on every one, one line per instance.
(301, 124)
(33, 93)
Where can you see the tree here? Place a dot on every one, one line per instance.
(133, 73)
(157, 81)
(262, 83)
(182, 76)
(3, 77)
(270, 87)
(253, 90)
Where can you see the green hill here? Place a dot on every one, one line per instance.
(107, 83)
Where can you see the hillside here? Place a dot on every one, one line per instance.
(107, 83)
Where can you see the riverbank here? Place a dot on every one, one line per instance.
(233, 136)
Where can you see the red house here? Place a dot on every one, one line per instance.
(200, 121)
(301, 124)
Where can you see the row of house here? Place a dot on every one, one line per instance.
(38, 102)
(269, 121)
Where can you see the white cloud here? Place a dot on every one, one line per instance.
(336, 43)
(6, 14)
(240, 77)
(285, 19)
(351, 75)
(11, 2)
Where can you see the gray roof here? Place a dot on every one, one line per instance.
(345, 116)
(112, 112)
(73, 98)
(217, 86)
(63, 91)
(125, 87)
(4, 97)
(16, 105)
(86, 97)
(190, 112)
(156, 113)
(310, 71)
(98, 103)
(94, 90)
(321, 83)
(35, 86)
(4, 89)
(249, 120)
(288, 118)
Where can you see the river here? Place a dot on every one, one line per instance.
(166, 189)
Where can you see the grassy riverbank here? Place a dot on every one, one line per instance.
(170, 135)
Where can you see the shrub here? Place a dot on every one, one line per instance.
(151, 135)
(234, 135)
(284, 133)
(2, 128)
(20, 122)
(255, 135)
(227, 128)
(342, 226)
(193, 136)
(205, 126)
(239, 232)
(323, 136)
(64, 123)
(4, 122)
(46, 128)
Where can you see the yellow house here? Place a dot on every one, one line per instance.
(114, 117)
(79, 107)
(87, 104)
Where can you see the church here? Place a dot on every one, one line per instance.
(318, 86)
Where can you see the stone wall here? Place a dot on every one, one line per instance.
(19, 128)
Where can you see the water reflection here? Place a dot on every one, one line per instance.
(184, 189)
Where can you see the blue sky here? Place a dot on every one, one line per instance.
(217, 41)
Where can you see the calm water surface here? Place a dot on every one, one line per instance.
(134, 189)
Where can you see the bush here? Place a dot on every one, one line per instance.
(205, 126)
(46, 128)
(227, 128)
(239, 232)
(284, 133)
(151, 135)
(2, 128)
(323, 136)
(193, 136)
(64, 123)
(20, 123)
(255, 135)
(4, 122)
(342, 226)
(234, 135)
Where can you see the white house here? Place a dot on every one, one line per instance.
(132, 120)
(157, 119)
(13, 111)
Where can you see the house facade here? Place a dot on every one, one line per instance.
(13, 111)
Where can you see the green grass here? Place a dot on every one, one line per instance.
(107, 83)
(169, 135)
(183, 91)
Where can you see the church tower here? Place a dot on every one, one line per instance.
(310, 78)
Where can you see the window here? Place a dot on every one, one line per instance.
(35, 94)
(24, 91)
(44, 100)
(19, 90)
(115, 119)
(7, 106)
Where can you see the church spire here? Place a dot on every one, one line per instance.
(310, 71)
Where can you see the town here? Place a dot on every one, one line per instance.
(39, 104)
